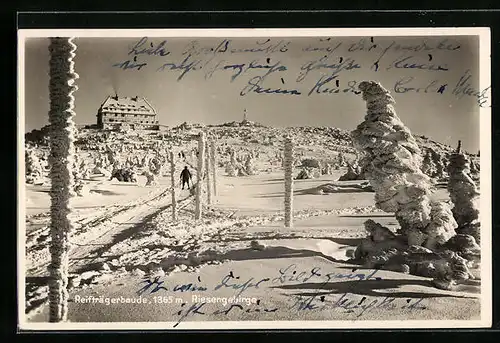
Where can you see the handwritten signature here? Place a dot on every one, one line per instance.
(464, 88)
(407, 84)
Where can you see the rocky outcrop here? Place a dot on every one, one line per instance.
(311, 163)
(354, 173)
(308, 173)
(124, 175)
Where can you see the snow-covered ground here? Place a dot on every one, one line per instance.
(125, 236)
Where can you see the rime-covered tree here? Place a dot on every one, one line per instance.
(428, 165)
(463, 194)
(62, 79)
(250, 165)
(395, 174)
(440, 163)
(33, 167)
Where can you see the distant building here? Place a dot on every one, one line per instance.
(127, 113)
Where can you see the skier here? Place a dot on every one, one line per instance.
(185, 176)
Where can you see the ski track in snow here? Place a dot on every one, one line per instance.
(91, 234)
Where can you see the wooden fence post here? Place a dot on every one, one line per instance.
(173, 186)
(199, 183)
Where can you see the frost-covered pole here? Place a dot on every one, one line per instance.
(214, 165)
(62, 152)
(199, 184)
(173, 185)
(208, 176)
(288, 165)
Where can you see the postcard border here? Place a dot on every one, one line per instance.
(485, 175)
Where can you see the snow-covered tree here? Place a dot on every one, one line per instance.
(463, 194)
(394, 173)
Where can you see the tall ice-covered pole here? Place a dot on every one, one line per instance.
(199, 183)
(62, 79)
(173, 185)
(208, 174)
(288, 166)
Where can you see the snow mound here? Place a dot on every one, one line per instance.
(338, 188)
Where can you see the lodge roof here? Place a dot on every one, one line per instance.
(127, 104)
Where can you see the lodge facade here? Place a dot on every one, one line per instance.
(134, 113)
